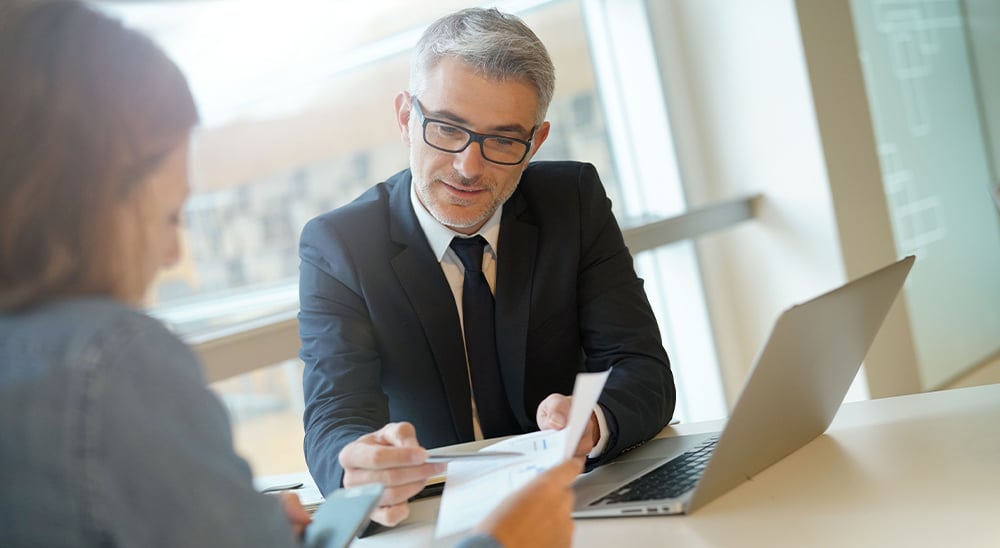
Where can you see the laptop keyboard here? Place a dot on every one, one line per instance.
(670, 480)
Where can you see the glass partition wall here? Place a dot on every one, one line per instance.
(933, 90)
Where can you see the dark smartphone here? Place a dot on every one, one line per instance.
(343, 515)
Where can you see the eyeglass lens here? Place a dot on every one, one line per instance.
(454, 139)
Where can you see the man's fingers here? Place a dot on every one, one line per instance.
(391, 477)
(391, 515)
(366, 453)
(400, 493)
(553, 412)
(393, 446)
(399, 434)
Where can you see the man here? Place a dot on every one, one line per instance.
(406, 316)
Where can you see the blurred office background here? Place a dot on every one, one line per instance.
(850, 132)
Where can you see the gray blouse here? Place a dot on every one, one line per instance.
(109, 437)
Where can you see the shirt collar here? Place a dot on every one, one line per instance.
(440, 236)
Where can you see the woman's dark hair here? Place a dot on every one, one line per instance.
(88, 109)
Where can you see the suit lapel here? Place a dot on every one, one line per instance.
(515, 269)
(425, 285)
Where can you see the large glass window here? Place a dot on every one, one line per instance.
(297, 109)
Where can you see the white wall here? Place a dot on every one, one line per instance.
(744, 121)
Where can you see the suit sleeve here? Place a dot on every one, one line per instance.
(618, 328)
(341, 381)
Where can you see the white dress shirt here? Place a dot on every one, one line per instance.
(439, 237)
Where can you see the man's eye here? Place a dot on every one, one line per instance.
(500, 141)
(449, 131)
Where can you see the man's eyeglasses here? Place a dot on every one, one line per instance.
(447, 137)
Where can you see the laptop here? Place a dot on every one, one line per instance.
(795, 388)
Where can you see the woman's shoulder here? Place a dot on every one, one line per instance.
(85, 312)
(96, 318)
(93, 330)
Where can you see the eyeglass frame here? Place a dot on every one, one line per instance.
(474, 137)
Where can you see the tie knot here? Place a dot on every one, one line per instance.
(470, 252)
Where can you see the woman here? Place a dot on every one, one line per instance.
(108, 435)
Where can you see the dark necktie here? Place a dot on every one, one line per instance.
(495, 416)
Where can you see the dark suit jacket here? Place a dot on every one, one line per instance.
(381, 338)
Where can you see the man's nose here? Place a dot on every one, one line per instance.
(470, 162)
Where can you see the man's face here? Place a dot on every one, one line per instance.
(463, 189)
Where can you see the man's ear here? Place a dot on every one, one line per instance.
(541, 134)
(403, 106)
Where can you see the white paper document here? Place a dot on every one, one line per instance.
(474, 488)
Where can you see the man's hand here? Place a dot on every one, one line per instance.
(393, 457)
(538, 514)
(553, 413)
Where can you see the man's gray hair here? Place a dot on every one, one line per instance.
(496, 45)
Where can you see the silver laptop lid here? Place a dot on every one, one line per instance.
(800, 378)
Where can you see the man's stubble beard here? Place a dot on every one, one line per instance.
(424, 194)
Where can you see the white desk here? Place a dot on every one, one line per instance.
(920, 470)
